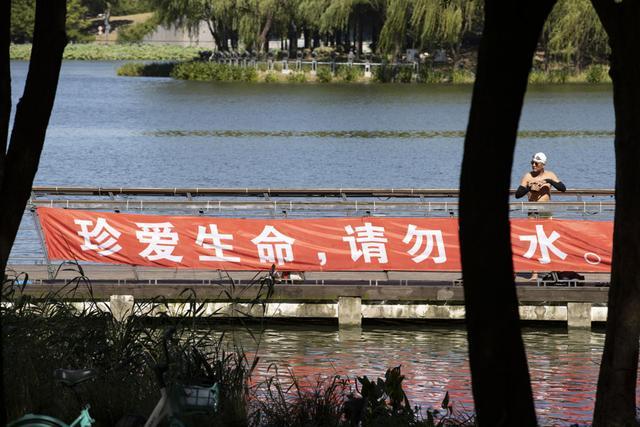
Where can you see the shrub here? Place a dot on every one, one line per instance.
(537, 77)
(349, 74)
(211, 71)
(384, 73)
(299, 77)
(249, 75)
(154, 69)
(596, 73)
(270, 77)
(559, 75)
(405, 75)
(324, 75)
(428, 74)
(462, 76)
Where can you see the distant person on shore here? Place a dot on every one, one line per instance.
(538, 181)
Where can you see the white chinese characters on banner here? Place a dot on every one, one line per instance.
(540, 239)
(420, 236)
(216, 244)
(160, 239)
(104, 236)
(368, 243)
(273, 246)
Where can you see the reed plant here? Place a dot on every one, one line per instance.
(68, 328)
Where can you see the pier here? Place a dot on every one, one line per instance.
(348, 297)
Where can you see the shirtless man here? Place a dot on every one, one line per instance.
(538, 182)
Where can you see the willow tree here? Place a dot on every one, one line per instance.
(427, 23)
(574, 33)
(220, 16)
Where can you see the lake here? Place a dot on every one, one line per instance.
(149, 132)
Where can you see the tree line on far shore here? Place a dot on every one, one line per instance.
(573, 34)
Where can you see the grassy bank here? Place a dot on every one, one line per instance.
(210, 71)
(40, 335)
(114, 52)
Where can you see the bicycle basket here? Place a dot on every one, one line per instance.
(196, 398)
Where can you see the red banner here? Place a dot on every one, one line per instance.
(324, 244)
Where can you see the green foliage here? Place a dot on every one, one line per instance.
(210, 71)
(115, 52)
(560, 75)
(23, 14)
(270, 77)
(385, 73)
(154, 69)
(77, 25)
(574, 32)
(596, 73)
(324, 75)
(349, 74)
(462, 76)
(23, 20)
(297, 77)
(129, 7)
(428, 74)
(249, 75)
(405, 75)
(134, 33)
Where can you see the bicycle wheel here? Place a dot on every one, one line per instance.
(32, 420)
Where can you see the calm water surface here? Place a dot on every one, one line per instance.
(115, 131)
(563, 364)
(108, 130)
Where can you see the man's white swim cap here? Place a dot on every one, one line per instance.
(540, 158)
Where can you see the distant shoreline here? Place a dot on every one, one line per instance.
(178, 62)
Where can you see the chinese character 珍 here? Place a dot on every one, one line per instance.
(104, 236)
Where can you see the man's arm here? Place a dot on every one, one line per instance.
(524, 187)
(556, 183)
(521, 191)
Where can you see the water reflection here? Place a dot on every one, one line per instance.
(563, 364)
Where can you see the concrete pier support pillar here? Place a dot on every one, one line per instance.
(579, 314)
(349, 312)
(121, 306)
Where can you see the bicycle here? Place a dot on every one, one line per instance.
(177, 399)
(70, 378)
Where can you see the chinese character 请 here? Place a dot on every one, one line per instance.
(371, 240)
(161, 241)
(104, 236)
(429, 235)
(218, 247)
(273, 246)
(545, 243)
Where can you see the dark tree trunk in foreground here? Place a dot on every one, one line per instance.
(616, 394)
(20, 163)
(5, 80)
(500, 377)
